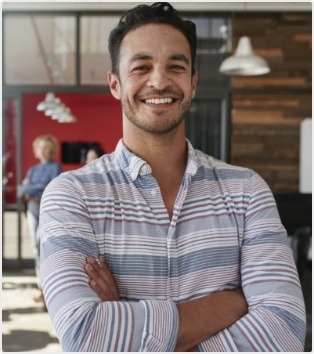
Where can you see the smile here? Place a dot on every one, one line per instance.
(159, 100)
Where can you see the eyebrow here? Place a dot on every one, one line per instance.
(180, 57)
(144, 56)
(140, 57)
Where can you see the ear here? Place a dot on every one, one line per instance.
(114, 85)
(194, 83)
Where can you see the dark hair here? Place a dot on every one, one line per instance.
(159, 12)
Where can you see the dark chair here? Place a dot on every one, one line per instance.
(295, 210)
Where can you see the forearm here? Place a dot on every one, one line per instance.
(202, 318)
(198, 319)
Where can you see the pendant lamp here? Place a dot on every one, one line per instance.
(244, 62)
(49, 102)
(54, 108)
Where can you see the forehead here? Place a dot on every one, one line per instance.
(91, 152)
(154, 39)
(42, 143)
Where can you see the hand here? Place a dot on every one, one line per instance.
(102, 281)
(26, 182)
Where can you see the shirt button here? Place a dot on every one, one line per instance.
(133, 175)
(153, 192)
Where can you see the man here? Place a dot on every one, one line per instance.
(158, 247)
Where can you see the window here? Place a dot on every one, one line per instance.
(94, 54)
(39, 50)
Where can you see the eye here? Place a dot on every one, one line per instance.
(177, 68)
(141, 68)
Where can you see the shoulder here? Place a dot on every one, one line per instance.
(54, 165)
(224, 169)
(230, 176)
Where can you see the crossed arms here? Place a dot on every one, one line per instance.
(269, 317)
(223, 308)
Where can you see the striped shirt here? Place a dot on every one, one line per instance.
(225, 232)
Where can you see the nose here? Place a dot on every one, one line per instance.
(159, 79)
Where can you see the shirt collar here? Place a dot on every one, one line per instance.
(134, 165)
(130, 163)
(193, 161)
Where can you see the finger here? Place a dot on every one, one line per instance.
(111, 280)
(103, 278)
(93, 274)
(97, 283)
(103, 270)
(97, 290)
(102, 261)
(104, 294)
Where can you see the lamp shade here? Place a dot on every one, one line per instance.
(47, 103)
(244, 62)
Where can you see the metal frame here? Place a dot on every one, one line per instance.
(223, 95)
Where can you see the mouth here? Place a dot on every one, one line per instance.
(159, 101)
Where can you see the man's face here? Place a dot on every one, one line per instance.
(155, 83)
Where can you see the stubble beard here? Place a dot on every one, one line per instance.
(153, 128)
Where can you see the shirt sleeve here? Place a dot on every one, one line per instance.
(82, 321)
(276, 313)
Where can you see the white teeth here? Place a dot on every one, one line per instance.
(158, 100)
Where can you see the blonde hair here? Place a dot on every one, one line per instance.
(53, 143)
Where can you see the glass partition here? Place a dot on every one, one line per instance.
(39, 50)
(72, 49)
(94, 54)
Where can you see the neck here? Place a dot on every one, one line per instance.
(165, 154)
(43, 160)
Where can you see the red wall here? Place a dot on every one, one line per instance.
(99, 118)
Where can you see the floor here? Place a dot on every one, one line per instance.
(26, 325)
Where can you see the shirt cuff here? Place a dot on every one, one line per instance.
(161, 326)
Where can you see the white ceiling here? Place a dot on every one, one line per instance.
(180, 5)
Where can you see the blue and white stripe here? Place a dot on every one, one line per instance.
(225, 231)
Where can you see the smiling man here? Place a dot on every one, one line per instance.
(157, 246)
(154, 83)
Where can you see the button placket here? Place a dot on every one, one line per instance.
(173, 286)
(153, 192)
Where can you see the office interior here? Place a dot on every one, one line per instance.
(57, 53)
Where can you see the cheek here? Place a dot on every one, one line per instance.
(134, 82)
(129, 90)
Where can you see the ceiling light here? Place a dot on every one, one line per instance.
(66, 116)
(49, 100)
(54, 108)
(244, 62)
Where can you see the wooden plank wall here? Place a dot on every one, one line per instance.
(267, 110)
